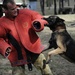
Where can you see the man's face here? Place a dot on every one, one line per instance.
(12, 10)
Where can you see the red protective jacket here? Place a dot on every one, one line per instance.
(21, 28)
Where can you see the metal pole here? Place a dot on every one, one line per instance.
(68, 3)
(55, 7)
(23, 5)
(62, 3)
(42, 6)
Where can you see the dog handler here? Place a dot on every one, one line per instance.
(19, 41)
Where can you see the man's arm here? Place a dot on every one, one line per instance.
(37, 20)
(5, 48)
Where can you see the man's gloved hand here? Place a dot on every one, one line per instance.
(37, 25)
(7, 52)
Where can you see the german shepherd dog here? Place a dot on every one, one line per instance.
(60, 40)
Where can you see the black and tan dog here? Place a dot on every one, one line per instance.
(60, 40)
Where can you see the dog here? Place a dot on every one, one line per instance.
(60, 40)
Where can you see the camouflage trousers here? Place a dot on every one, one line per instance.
(39, 65)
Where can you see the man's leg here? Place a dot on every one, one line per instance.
(18, 70)
(40, 64)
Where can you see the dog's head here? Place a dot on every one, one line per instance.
(54, 21)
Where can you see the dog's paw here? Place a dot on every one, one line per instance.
(48, 61)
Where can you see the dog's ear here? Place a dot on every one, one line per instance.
(59, 19)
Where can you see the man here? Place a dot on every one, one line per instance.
(19, 42)
(60, 40)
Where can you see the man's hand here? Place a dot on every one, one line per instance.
(7, 52)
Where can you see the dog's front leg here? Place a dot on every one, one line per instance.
(60, 48)
(54, 52)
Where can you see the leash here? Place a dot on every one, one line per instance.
(15, 43)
